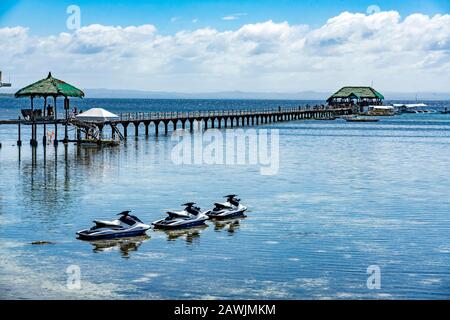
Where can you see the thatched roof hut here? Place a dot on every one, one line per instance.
(50, 87)
(45, 88)
(360, 96)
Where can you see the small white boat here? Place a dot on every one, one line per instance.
(360, 119)
(381, 111)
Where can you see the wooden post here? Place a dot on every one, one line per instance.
(100, 128)
(156, 128)
(66, 129)
(44, 136)
(147, 123)
(19, 139)
(125, 131)
(55, 142)
(32, 140)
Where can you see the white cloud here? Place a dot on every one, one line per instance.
(410, 54)
(228, 18)
(234, 16)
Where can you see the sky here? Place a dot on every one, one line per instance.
(247, 45)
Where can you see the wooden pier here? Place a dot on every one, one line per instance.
(219, 119)
(187, 120)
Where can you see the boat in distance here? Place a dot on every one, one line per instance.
(360, 119)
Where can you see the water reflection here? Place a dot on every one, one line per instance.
(230, 225)
(124, 245)
(191, 235)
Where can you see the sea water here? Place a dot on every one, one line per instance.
(347, 199)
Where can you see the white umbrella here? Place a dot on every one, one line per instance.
(97, 114)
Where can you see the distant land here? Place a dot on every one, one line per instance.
(303, 95)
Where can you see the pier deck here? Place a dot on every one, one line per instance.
(223, 118)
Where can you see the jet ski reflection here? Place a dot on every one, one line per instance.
(230, 225)
(191, 234)
(124, 245)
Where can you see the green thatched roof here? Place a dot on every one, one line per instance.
(358, 92)
(49, 87)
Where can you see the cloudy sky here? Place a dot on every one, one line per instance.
(207, 46)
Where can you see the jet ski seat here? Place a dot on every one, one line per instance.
(107, 224)
(129, 220)
(174, 214)
(222, 206)
(192, 210)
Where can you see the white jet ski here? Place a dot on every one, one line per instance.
(126, 226)
(229, 209)
(191, 216)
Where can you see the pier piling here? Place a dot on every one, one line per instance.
(19, 134)
(146, 124)
(125, 131)
(136, 128)
(166, 127)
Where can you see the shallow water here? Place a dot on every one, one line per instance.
(346, 196)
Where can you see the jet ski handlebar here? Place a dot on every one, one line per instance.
(232, 197)
(188, 204)
(124, 213)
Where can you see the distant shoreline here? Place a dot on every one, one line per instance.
(102, 93)
(138, 95)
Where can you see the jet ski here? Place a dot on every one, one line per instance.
(126, 226)
(229, 209)
(191, 216)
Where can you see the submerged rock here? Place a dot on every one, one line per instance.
(41, 242)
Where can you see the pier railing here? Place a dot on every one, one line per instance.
(141, 116)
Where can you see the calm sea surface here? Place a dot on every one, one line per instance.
(346, 196)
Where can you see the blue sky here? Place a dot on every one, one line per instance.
(247, 45)
(169, 16)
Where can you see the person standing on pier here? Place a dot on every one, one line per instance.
(50, 111)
